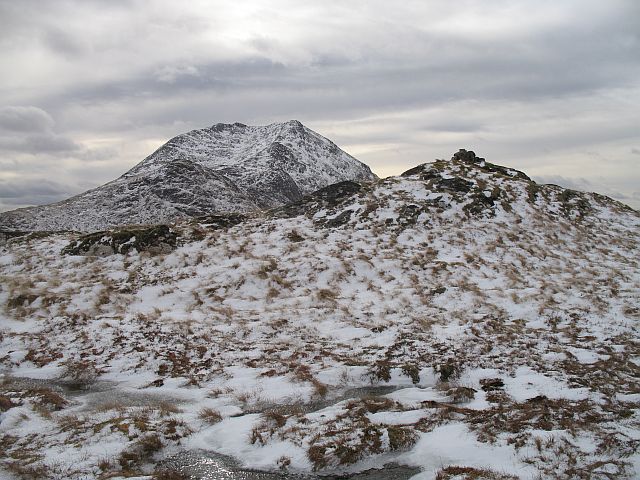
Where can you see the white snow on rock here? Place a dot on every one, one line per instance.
(224, 168)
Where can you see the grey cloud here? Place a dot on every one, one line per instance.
(29, 191)
(29, 129)
(25, 119)
(50, 143)
(260, 87)
(576, 59)
(63, 43)
(635, 151)
(21, 188)
(380, 83)
(454, 125)
(97, 154)
(44, 143)
(169, 74)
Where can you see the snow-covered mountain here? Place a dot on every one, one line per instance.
(224, 168)
(460, 320)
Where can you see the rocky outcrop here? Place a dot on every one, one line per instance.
(157, 239)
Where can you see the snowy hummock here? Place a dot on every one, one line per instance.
(506, 329)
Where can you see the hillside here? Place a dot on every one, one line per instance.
(224, 168)
(459, 320)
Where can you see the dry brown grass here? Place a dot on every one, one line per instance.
(470, 473)
(210, 415)
(326, 295)
(461, 394)
(80, 372)
(401, 438)
(6, 403)
(140, 451)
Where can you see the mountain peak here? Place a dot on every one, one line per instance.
(222, 168)
(238, 125)
(294, 123)
(220, 127)
(461, 161)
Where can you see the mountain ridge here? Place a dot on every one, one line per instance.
(222, 168)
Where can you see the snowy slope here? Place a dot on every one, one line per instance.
(459, 318)
(228, 167)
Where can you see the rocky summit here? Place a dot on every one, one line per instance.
(224, 168)
(456, 321)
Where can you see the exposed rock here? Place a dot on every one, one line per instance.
(219, 222)
(454, 184)
(482, 201)
(158, 239)
(408, 214)
(467, 156)
(427, 171)
(491, 384)
(338, 191)
(5, 236)
(574, 203)
(327, 197)
(337, 221)
(507, 172)
(413, 171)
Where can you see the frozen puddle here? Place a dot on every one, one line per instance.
(68, 388)
(319, 404)
(97, 399)
(92, 395)
(203, 465)
(200, 464)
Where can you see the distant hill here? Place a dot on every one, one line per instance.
(224, 168)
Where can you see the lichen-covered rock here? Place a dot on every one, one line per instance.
(156, 239)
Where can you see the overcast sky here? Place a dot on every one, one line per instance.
(551, 87)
